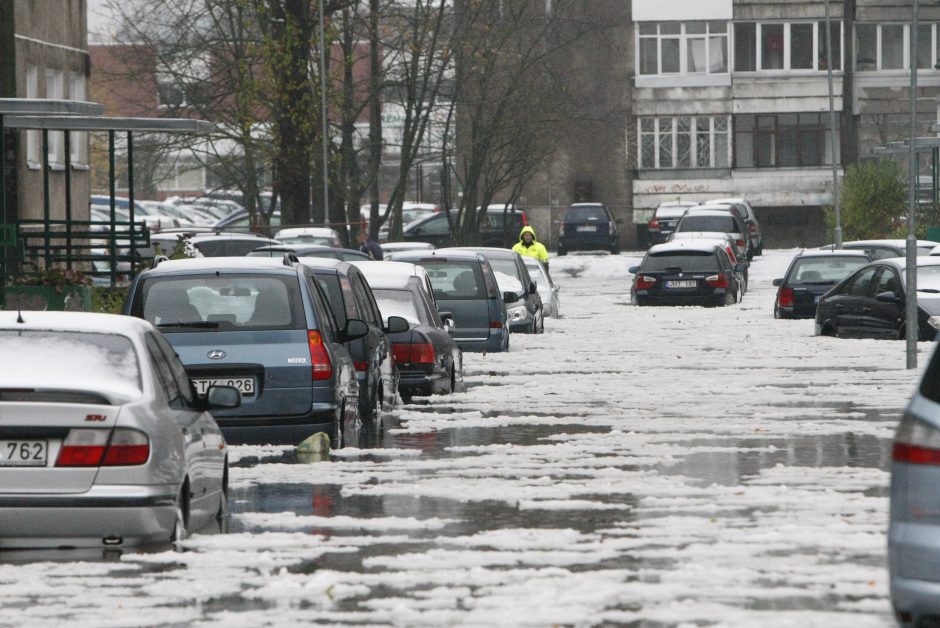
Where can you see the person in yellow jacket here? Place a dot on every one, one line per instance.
(531, 247)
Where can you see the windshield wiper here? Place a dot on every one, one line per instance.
(198, 324)
(930, 290)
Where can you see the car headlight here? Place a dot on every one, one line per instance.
(516, 314)
(934, 321)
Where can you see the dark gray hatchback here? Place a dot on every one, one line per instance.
(262, 326)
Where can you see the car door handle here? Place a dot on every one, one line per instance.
(866, 310)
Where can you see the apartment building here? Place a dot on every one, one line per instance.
(43, 54)
(731, 98)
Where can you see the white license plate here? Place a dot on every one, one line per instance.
(682, 284)
(23, 453)
(587, 228)
(245, 385)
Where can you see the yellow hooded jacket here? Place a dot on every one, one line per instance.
(536, 249)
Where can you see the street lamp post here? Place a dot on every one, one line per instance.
(324, 121)
(833, 144)
(911, 325)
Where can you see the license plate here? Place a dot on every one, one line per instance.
(244, 385)
(23, 453)
(682, 284)
(587, 228)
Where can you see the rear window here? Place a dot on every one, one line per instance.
(671, 211)
(453, 280)
(681, 261)
(494, 219)
(823, 270)
(228, 247)
(309, 240)
(584, 214)
(720, 224)
(223, 302)
(402, 303)
(928, 280)
(69, 360)
(925, 250)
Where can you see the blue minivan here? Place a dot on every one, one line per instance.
(264, 327)
(465, 289)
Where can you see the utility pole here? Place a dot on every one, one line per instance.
(833, 141)
(912, 325)
(323, 115)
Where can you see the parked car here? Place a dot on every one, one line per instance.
(884, 249)
(397, 247)
(753, 225)
(547, 288)
(104, 442)
(525, 313)
(228, 244)
(588, 227)
(429, 360)
(870, 302)
(240, 221)
(326, 252)
(464, 285)
(323, 236)
(350, 297)
(810, 275)
(265, 327)
(716, 220)
(410, 212)
(914, 528)
(681, 273)
(497, 226)
(726, 241)
(665, 218)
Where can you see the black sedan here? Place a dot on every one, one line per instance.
(312, 250)
(870, 302)
(685, 273)
(812, 274)
(429, 360)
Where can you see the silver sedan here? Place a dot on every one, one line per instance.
(547, 288)
(103, 442)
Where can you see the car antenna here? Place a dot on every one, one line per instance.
(19, 316)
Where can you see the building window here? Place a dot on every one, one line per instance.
(887, 47)
(683, 48)
(78, 140)
(55, 89)
(33, 140)
(684, 142)
(789, 140)
(785, 46)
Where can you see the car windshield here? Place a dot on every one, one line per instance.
(402, 303)
(584, 214)
(925, 251)
(681, 261)
(928, 279)
(309, 240)
(823, 270)
(722, 224)
(507, 274)
(221, 302)
(455, 280)
(70, 360)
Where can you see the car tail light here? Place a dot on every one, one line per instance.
(644, 283)
(319, 357)
(361, 366)
(916, 442)
(717, 281)
(734, 258)
(785, 297)
(419, 353)
(525, 220)
(654, 224)
(496, 325)
(739, 243)
(83, 448)
(610, 228)
(127, 447)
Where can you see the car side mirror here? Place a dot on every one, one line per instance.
(633, 270)
(396, 325)
(354, 330)
(510, 297)
(533, 288)
(778, 282)
(888, 297)
(223, 398)
(448, 319)
(741, 267)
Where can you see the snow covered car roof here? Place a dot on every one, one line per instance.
(197, 264)
(840, 253)
(708, 246)
(895, 243)
(390, 274)
(901, 262)
(707, 211)
(299, 231)
(455, 254)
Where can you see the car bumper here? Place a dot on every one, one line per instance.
(424, 384)
(797, 312)
(494, 343)
(279, 429)
(915, 574)
(588, 243)
(132, 515)
(711, 299)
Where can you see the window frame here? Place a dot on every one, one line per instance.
(906, 44)
(55, 83)
(684, 39)
(819, 133)
(787, 52)
(658, 134)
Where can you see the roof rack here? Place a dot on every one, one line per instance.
(290, 258)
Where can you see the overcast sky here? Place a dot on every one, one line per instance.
(99, 18)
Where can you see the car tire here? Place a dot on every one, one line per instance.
(562, 252)
(615, 250)
(222, 512)
(181, 525)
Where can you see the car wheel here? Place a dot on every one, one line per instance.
(222, 512)
(777, 313)
(562, 252)
(615, 250)
(829, 330)
(542, 324)
(181, 525)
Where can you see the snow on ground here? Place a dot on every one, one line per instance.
(640, 466)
